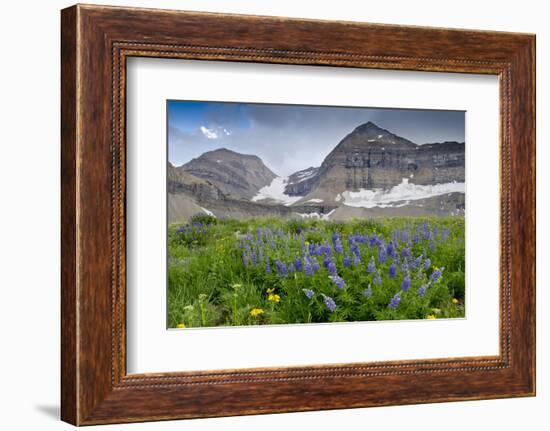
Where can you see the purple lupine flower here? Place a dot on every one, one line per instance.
(392, 272)
(308, 269)
(417, 262)
(329, 303)
(326, 249)
(394, 303)
(395, 236)
(298, 263)
(281, 268)
(382, 255)
(331, 268)
(445, 235)
(338, 281)
(356, 259)
(338, 247)
(371, 267)
(404, 266)
(315, 265)
(268, 267)
(390, 249)
(436, 275)
(309, 293)
(373, 240)
(427, 263)
(405, 253)
(290, 267)
(416, 238)
(245, 259)
(346, 261)
(261, 254)
(377, 278)
(367, 293)
(426, 232)
(253, 258)
(422, 290)
(406, 285)
(312, 249)
(335, 238)
(326, 261)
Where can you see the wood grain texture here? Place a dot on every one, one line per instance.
(96, 41)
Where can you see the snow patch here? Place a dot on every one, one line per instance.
(317, 215)
(338, 197)
(305, 175)
(207, 212)
(394, 197)
(276, 192)
(315, 200)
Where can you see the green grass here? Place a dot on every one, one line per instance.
(213, 281)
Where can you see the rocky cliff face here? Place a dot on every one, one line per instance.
(302, 182)
(182, 182)
(373, 158)
(236, 175)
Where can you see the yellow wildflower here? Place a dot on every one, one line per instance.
(236, 286)
(273, 297)
(270, 291)
(455, 301)
(306, 243)
(181, 326)
(255, 312)
(431, 317)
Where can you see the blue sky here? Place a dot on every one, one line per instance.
(292, 137)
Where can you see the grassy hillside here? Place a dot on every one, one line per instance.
(272, 271)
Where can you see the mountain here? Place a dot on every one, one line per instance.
(189, 195)
(234, 174)
(374, 158)
(371, 172)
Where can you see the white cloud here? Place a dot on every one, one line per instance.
(214, 133)
(209, 133)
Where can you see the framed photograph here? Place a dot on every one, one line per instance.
(264, 214)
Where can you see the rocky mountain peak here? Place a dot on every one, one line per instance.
(235, 174)
(371, 135)
(371, 157)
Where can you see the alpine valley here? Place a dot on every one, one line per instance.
(371, 172)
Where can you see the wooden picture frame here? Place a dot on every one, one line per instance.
(95, 43)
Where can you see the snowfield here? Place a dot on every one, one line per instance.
(396, 196)
(305, 175)
(317, 215)
(276, 192)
